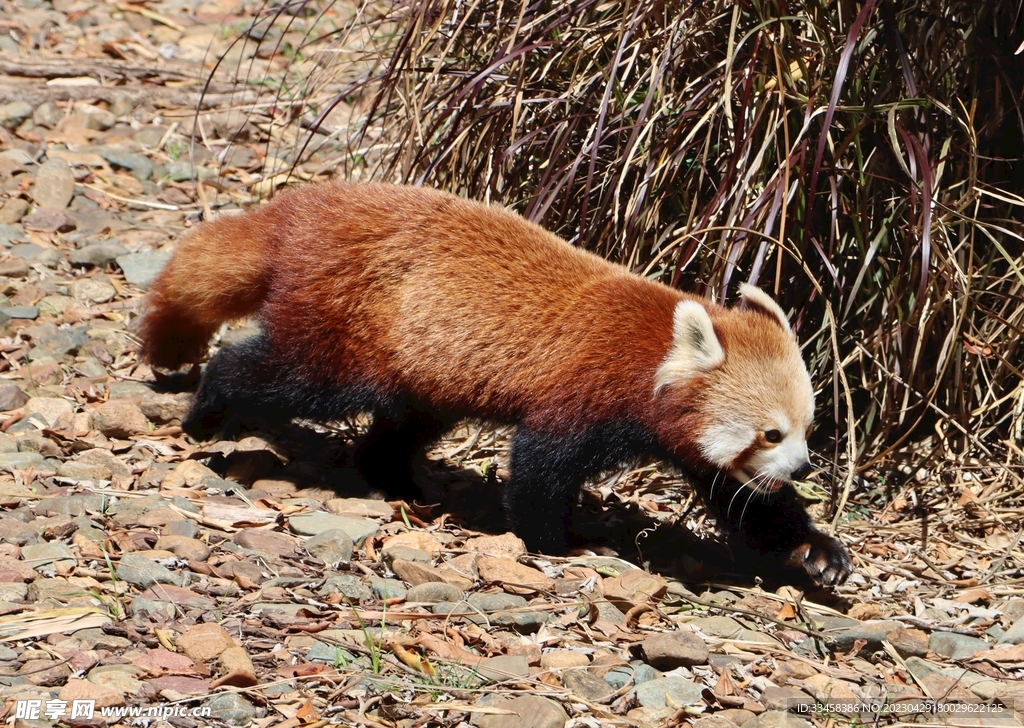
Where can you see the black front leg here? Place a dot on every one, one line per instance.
(777, 526)
(547, 472)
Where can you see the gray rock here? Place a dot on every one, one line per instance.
(144, 573)
(184, 171)
(504, 667)
(311, 524)
(141, 269)
(75, 505)
(91, 368)
(332, 546)
(12, 114)
(495, 602)
(47, 114)
(140, 167)
(231, 708)
(433, 592)
(93, 290)
(54, 185)
(98, 254)
(718, 626)
(59, 344)
(587, 685)
(20, 460)
(388, 588)
(956, 646)
(20, 312)
(43, 557)
(331, 654)
(141, 604)
(10, 234)
(404, 553)
(529, 711)
(97, 639)
(653, 693)
(11, 396)
(1015, 634)
(777, 719)
(349, 586)
(122, 104)
(785, 698)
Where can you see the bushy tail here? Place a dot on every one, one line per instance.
(218, 273)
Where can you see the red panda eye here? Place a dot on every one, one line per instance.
(773, 436)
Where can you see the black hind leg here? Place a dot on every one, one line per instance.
(240, 384)
(386, 456)
(251, 383)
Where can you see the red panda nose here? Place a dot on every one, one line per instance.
(802, 472)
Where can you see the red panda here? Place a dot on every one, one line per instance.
(425, 309)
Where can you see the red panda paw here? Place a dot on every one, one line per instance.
(823, 558)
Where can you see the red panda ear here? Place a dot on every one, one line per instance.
(753, 298)
(695, 346)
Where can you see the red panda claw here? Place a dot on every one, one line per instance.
(824, 559)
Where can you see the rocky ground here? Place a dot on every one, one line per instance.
(257, 578)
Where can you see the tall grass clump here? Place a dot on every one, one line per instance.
(862, 161)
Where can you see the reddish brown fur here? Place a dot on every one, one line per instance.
(468, 308)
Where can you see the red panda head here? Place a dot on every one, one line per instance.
(747, 389)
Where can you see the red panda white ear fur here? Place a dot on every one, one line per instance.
(754, 297)
(695, 346)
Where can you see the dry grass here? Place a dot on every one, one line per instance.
(861, 162)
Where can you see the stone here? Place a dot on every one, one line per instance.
(433, 592)
(349, 586)
(122, 104)
(188, 474)
(204, 641)
(14, 268)
(387, 588)
(417, 573)
(20, 312)
(263, 541)
(504, 667)
(231, 708)
(47, 220)
(665, 691)
(11, 396)
(45, 557)
(141, 269)
(83, 471)
(165, 408)
(20, 460)
(513, 576)
(311, 524)
(92, 290)
(777, 719)
(404, 553)
(120, 418)
(561, 659)
(13, 210)
(332, 546)
(77, 689)
(670, 650)
(97, 254)
(183, 547)
(495, 602)
(359, 508)
(587, 686)
(529, 711)
(140, 166)
(1015, 634)
(236, 668)
(11, 234)
(47, 114)
(718, 626)
(785, 698)
(956, 646)
(50, 408)
(144, 573)
(507, 545)
(411, 540)
(12, 114)
(54, 185)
